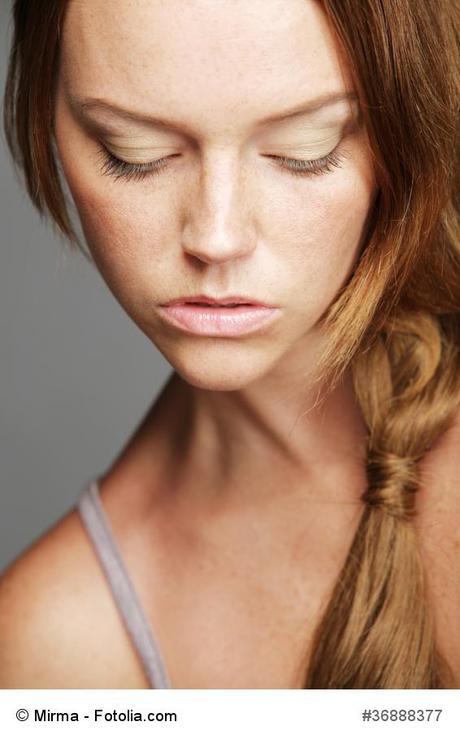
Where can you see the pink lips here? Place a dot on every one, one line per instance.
(216, 320)
(218, 301)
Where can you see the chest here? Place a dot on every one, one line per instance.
(234, 617)
(235, 604)
(237, 607)
(216, 632)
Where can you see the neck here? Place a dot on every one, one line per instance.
(266, 440)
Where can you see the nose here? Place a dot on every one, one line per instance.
(219, 224)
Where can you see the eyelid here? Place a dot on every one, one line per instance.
(326, 163)
(295, 149)
(128, 154)
(301, 141)
(118, 168)
(307, 146)
(111, 164)
(315, 150)
(302, 130)
(314, 137)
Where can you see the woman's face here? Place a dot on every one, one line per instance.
(224, 215)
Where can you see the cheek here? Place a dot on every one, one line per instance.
(325, 226)
(119, 232)
(126, 231)
(127, 245)
(126, 236)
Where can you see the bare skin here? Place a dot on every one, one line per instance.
(236, 500)
(233, 593)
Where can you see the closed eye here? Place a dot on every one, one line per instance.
(117, 168)
(112, 165)
(312, 166)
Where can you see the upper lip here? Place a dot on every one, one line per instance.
(222, 301)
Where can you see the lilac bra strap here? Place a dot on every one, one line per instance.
(97, 525)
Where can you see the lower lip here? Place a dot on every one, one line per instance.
(217, 321)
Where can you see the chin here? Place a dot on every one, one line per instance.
(221, 365)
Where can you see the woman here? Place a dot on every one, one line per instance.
(288, 511)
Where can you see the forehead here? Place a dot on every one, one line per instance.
(199, 59)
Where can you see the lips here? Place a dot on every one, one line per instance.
(206, 301)
(214, 305)
(217, 320)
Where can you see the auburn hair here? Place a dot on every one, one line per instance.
(396, 323)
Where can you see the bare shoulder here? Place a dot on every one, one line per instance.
(58, 624)
(439, 497)
(438, 526)
(441, 470)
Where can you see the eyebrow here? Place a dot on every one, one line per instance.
(81, 106)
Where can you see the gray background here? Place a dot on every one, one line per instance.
(76, 374)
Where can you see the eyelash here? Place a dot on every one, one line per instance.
(118, 168)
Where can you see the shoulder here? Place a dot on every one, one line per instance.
(438, 497)
(441, 467)
(58, 624)
(438, 527)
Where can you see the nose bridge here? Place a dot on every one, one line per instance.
(218, 223)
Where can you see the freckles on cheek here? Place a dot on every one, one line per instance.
(111, 212)
(339, 216)
(123, 251)
(329, 235)
(119, 230)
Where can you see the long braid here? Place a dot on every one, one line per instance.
(378, 629)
